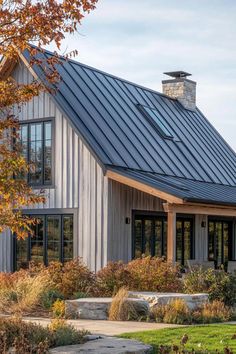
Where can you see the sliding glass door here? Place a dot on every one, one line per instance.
(149, 235)
(219, 241)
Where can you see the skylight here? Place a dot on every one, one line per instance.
(154, 117)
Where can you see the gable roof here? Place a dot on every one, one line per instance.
(104, 109)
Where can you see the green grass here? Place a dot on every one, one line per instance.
(208, 337)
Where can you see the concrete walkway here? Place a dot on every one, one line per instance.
(108, 328)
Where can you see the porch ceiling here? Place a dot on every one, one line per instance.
(177, 190)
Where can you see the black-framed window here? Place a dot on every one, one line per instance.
(36, 139)
(51, 240)
(149, 235)
(221, 243)
(185, 240)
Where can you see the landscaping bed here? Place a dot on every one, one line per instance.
(158, 291)
(201, 339)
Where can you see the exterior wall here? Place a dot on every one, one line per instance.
(122, 200)
(79, 183)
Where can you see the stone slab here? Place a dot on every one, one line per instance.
(193, 301)
(105, 345)
(98, 308)
(88, 308)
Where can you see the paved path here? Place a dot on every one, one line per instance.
(108, 328)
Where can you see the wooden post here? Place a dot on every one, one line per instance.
(171, 237)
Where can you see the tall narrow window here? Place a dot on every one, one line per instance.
(36, 141)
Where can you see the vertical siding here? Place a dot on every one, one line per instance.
(201, 238)
(122, 200)
(79, 183)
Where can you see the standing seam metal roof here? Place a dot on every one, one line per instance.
(104, 110)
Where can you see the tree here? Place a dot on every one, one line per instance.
(22, 23)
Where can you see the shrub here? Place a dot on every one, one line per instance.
(113, 277)
(215, 311)
(75, 277)
(217, 283)
(175, 312)
(32, 338)
(58, 308)
(124, 309)
(64, 334)
(49, 297)
(154, 274)
(22, 292)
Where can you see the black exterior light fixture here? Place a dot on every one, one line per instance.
(203, 224)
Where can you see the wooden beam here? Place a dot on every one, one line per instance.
(171, 237)
(201, 209)
(6, 67)
(142, 187)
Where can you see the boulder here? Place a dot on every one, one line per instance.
(193, 301)
(88, 308)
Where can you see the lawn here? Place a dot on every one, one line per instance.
(210, 337)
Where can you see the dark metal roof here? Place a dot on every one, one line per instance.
(188, 190)
(104, 110)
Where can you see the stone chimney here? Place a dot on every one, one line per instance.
(181, 88)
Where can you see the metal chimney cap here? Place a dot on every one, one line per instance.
(178, 74)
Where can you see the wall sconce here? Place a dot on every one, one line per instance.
(203, 224)
(127, 220)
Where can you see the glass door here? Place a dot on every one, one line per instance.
(149, 236)
(184, 239)
(219, 238)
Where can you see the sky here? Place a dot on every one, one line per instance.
(139, 40)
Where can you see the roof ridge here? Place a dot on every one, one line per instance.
(109, 74)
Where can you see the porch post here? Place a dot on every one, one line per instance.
(171, 237)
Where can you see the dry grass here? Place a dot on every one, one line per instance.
(22, 294)
(123, 309)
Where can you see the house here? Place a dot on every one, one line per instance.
(127, 171)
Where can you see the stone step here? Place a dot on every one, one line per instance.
(106, 345)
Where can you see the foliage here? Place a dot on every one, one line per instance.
(217, 283)
(154, 274)
(76, 277)
(201, 339)
(21, 23)
(22, 293)
(113, 277)
(123, 309)
(58, 308)
(175, 312)
(142, 274)
(212, 312)
(49, 297)
(64, 334)
(32, 338)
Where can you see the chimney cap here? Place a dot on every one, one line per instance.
(177, 74)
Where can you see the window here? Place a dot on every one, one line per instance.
(149, 235)
(36, 142)
(52, 240)
(157, 120)
(184, 239)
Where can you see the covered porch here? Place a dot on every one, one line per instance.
(182, 230)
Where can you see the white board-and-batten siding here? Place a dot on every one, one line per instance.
(79, 183)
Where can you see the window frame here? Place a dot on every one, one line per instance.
(45, 216)
(142, 109)
(28, 123)
(144, 214)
